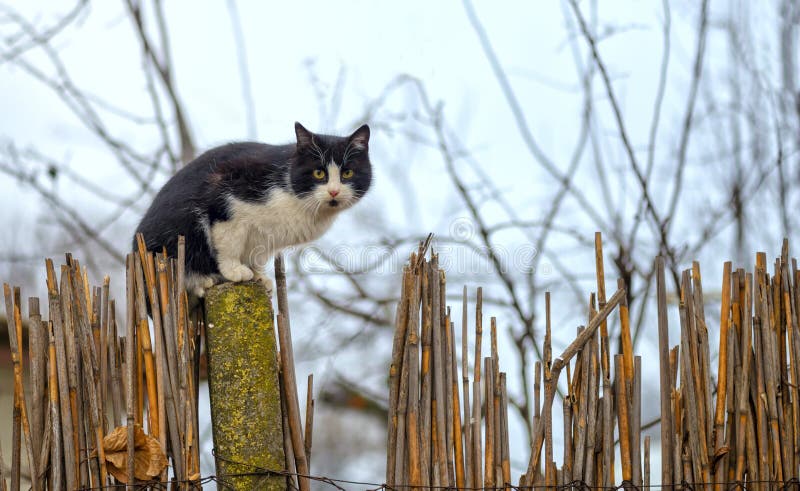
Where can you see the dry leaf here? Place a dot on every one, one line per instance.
(717, 457)
(149, 458)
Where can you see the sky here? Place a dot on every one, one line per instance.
(321, 63)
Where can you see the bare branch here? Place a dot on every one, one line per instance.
(163, 68)
(76, 224)
(244, 71)
(697, 71)
(522, 125)
(38, 38)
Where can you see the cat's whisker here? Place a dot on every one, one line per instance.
(312, 207)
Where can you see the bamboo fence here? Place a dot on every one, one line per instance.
(107, 404)
(736, 423)
(743, 427)
(103, 410)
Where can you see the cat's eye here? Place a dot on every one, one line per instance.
(318, 174)
(348, 174)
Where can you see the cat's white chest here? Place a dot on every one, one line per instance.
(265, 228)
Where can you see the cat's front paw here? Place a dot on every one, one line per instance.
(199, 284)
(264, 280)
(235, 272)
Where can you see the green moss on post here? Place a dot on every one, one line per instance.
(243, 384)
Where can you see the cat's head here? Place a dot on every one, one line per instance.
(331, 172)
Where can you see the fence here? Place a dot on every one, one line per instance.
(104, 410)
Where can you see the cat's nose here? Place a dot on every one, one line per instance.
(333, 192)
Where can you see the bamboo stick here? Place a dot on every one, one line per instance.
(13, 312)
(409, 389)
(547, 413)
(608, 417)
(440, 474)
(403, 401)
(115, 366)
(287, 370)
(646, 479)
(489, 428)
(477, 450)
(703, 355)
(582, 412)
(547, 421)
(743, 402)
(537, 394)
(678, 436)
(626, 342)
(722, 371)
(688, 384)
(793, 300)
(61, 361)
(309, 426)
(56, 471)
(3, 485)
(447, 357)
(505, 456)
(37, 361)
(161, 370)
(426, 389)
(768, 363)
(584, 337)
(478, 333)
(636, 422)
(593, 367)
(398, 346)
(734, 369)
(71, 364)
(623, 421)
(791, 395)
(147, 350)
(496, 405)
(761, 419)
(288, 450)
(666, 384)
(455, 414)
(465, 390)
(476, 393)
(105, 379)
(130, 368)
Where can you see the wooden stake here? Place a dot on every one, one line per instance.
(623, 421)
(287, 371)
(665, 379)
(13, 313)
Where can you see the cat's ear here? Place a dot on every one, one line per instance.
(304, 137)
(360, 138)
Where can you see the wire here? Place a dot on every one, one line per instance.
(576, 485)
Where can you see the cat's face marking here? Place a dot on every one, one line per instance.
(331, 173)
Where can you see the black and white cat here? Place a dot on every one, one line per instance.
(239, 204)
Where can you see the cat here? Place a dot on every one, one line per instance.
(239, 204)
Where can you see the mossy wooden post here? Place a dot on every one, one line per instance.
(243, 385)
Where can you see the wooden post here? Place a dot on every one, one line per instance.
(243, 385)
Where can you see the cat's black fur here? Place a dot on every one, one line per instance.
(199, 196)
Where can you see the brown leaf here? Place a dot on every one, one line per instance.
(717, 457)
(149, 458)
